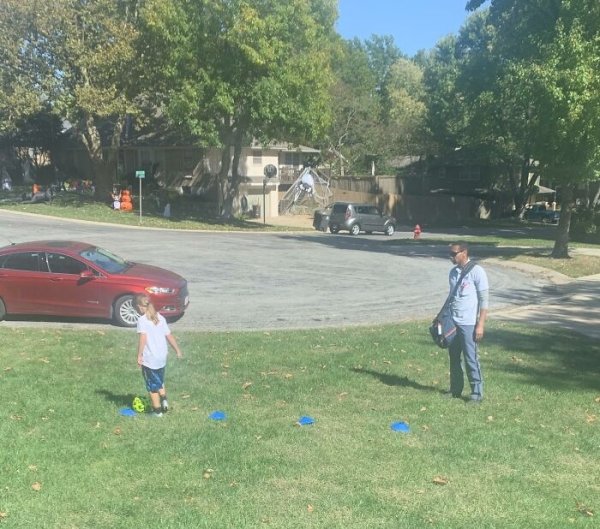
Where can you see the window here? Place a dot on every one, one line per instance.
(257, 157)
(63, 264)
(293, 158)
(29, 261)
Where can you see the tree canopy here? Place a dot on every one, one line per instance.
(236, 70)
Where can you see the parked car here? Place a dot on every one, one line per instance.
(353, 218)
(76, 279)
(539, 213)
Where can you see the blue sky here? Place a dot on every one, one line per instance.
(414, 24)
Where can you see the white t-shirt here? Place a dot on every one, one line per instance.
(157, 348)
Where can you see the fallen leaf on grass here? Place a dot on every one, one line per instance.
(207, 474)
(3, 515)
(590, 418)
(490, 418)
(597, 399)
(246, 385)
(516, 359)
(342, 395)
(423, 408)
(76, 358)
(117, 431)
(185, 396)
(36, 486)
(310, 508)
(45, 360)
(440, 480)
(10, 369)
(584, 509)
(16, 417)
(288, 376)
(387, 362)
(33, 468)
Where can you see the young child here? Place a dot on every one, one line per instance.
(153, 347)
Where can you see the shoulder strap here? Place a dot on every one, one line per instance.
(470, 265)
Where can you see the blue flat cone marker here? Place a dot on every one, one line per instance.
(305, 420)
(217, 416)
(127, 412)
(400, 426)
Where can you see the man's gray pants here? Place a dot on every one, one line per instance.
(464, 343)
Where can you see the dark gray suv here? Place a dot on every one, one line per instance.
(354, 218)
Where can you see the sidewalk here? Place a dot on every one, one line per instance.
(574, 305)
(291, 221)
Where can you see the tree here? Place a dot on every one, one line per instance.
(407, 109)
(74, 58)
(551, 50)
(355, 108)
(228, 71)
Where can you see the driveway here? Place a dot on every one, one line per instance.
(244, 281)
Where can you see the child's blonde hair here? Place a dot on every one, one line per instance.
(143, 301)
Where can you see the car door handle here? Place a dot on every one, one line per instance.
(56, 279)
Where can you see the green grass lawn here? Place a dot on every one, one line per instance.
(187, 213)
(528, 457)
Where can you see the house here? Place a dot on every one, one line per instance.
(178, 165)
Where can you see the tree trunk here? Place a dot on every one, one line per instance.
(231, 203)
(561, 244)
(103, 168)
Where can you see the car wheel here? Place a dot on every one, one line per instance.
(389, 230)
(355, 229)
(125, 314)
(334, 228)
(2, 310)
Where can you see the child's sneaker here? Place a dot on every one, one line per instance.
(156, 414)
(165, 405)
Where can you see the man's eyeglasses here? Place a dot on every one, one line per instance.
(454, 254)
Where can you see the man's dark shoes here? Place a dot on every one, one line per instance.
(450, 395)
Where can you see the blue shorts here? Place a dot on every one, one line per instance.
(155, 378)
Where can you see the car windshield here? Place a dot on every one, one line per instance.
(109, 262)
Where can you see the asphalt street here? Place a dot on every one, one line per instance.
(250, 281)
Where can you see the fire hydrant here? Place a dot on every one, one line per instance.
(417, 232)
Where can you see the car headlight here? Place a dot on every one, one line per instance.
(160, 290)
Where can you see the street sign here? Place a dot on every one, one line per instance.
(140, 174)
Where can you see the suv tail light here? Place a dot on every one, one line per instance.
(348, 213)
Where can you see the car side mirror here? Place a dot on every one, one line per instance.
(87, 274)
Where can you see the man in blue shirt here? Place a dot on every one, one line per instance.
(469, 311)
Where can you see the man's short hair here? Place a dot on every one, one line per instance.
(462, 246)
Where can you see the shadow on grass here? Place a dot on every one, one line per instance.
(395, 380)
(118, 400)
(553, 359)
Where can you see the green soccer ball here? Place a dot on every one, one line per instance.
(139, 405)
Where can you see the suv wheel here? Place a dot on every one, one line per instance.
(389, 230)
(355, 229)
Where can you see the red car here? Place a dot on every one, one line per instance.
(68, 278)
